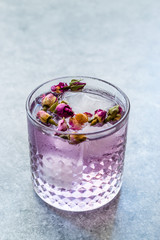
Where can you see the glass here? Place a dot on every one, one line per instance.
(84, 176)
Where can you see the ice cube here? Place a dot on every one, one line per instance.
(82, 102)
(62, 165)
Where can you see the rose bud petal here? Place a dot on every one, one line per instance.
(114, 113)
(114, 110)
(75, 125)
(60, 88)
(77, 138)
(64, 110)
(78, 120)
(76, 85)
(100, 114)
(48, 100)
(99, 117)
(89, 115)
(81, 118)
(62, 125)
(44, 117)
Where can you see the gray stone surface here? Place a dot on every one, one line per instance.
(113, 40)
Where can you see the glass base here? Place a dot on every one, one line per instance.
(78, 200)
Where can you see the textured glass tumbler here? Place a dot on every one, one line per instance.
(84, 176)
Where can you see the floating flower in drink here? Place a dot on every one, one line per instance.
(99, 117)
(76, 85)
(114, 113)
(48, 101)
(60, 88)
(64, 110)
(44, 117)
(78, 120)
(89, 115)
(62, 125)
(53, 107)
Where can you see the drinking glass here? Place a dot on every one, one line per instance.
(83, 176)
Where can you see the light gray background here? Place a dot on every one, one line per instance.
(114, 40)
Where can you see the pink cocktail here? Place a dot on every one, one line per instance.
(82, 175)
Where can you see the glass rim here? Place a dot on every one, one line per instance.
(38, 123)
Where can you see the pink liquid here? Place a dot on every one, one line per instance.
(77, 177)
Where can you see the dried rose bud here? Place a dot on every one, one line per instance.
(64, 110)
(78, 120)
(89, 115)
(48, 100)
(60, 88)
(100, 114)
(44, 117)
(75, 138)
(74, 124)
(62, 125)
(114, 113)
(99, 117)
(81, 118)
(76, 85)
